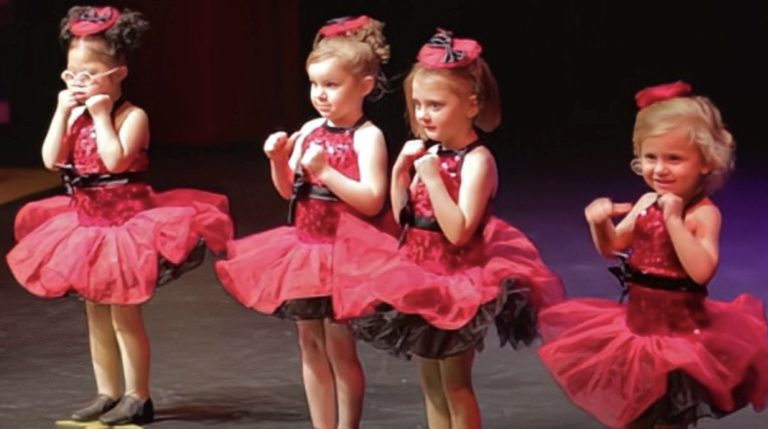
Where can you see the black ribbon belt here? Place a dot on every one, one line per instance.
(303, 189)
(409, 220)
(630, 275)
(72, 179)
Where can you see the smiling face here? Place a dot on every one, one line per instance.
(337, 94)
(444, 110)
(672, 163)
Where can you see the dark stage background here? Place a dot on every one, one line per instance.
(222, 74)
(217, 76)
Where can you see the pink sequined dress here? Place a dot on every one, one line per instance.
(434, 299)
(288, 271)
(113, 240)
(671, 354)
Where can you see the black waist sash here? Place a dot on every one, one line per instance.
(303, 189)
(627, 274)
(72, 179)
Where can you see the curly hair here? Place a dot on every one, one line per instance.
(118, 43)
(701, 120)
(362, 52)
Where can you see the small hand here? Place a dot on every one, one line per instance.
(427, 167)
(671, 205)
(412, 150)
(99, 104)
(314, 159)
(278, 146)
(67, 102)
(601, 210)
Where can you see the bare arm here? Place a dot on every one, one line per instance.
(280, 164)
(696, 241)
(401, 175)
(283, 166)
(459, 220)
(55, 150)
(366, 195)
(119, 146)
(606, 236)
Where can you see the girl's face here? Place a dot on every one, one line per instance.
(87, 74)
(672, 163)
(336, 93)
(443, 111)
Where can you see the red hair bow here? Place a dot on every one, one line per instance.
(443, 51)
(94, 20)
(344, 26)
(654, 94)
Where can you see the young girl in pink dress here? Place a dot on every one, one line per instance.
(112, 240)
(460, 269)
(335, 164)
(670, 355)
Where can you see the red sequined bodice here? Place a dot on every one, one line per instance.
(652, 248)
(431, 249)
(103, 205)
(656, 311)
(317, 220)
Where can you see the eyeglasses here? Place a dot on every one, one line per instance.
(84, 78)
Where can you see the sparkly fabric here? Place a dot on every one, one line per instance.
(667, 356)
(287, 271)
(113, 244)
(432, 298)
(431, 249)
(316, 220)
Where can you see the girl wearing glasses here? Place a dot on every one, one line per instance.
(112, 241)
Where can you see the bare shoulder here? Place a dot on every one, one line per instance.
(368, 133)
(481, 155)
(132, 112)
(705, 211)
(369, 130)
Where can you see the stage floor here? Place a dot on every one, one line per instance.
(219, 365)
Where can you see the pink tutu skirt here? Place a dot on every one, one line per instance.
(702, 363)
(58, 253)
(431, 310)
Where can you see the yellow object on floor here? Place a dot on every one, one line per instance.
(16, 183)
(92, 425)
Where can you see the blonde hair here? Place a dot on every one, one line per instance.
(362, 53)
(474, 79)
(702, 122)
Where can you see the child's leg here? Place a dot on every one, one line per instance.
(318, 377)
(128, 324)
(105, 353)
(435, 402)
(136, 406)
(105, 357)
(457, 384)
(347, 372)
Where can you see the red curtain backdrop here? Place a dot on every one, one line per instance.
(218, 72)
(5, 21)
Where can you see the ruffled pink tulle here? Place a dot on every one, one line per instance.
(616, 374)
(266, 269)
(56, 254)
(377, 273)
